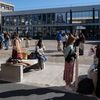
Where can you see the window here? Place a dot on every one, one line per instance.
(60, 17)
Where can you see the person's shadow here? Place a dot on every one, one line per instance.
(52, 93)
(69, 96)
(27, 92)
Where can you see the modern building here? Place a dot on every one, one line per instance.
(5, 7)
(47, 22)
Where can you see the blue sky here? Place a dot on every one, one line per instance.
(38, 4)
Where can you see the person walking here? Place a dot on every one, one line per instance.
(81, 45)
(64, 39)
(69, 55)
(58, 37)
(6, 40)
(1, 41)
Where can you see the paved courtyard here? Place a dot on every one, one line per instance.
(46, 84)
(52, 75)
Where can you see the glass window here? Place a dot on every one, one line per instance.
(52, 18)
(22, 20)
(19, 20)
(68, 17)
(60, 17)
(48, 19)
(44, 18)
(35, 19)
(96, 15)
(82, 15)
(39, 19)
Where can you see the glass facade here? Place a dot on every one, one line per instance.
(47, 24)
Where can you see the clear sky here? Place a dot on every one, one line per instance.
(38, 4)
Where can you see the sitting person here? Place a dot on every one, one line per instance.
(39, 50)
(16, 47)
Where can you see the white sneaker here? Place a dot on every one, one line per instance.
(69, 89)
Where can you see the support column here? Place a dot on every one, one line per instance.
(71, 28)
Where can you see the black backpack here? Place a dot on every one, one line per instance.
(70, 56)
(85, 86)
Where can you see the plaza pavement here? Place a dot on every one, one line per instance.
(52, 74)
(51, 77)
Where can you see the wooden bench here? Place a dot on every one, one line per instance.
(14, 72)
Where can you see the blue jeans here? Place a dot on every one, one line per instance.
(6, 43)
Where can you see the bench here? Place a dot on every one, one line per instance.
(14, 72)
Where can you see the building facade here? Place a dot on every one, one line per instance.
(46, 22)
(5, 7)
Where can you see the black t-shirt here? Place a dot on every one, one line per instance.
(77, 42)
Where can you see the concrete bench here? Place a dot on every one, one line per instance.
(14, 72)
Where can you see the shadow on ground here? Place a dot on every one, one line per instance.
(57, 55)
(48, 93)
(50, 51)
(93, 43)
(4, 82)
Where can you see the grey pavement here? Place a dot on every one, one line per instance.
(50, 79)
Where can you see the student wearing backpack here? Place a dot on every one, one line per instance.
(69, 55)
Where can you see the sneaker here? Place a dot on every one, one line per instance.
(6, 49)
(68, 88)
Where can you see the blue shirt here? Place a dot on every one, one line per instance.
(59, 36)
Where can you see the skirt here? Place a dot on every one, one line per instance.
(68, 72)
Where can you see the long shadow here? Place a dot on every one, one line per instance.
(69, 96)
(57, 55)
(4, 82)
(27, 92)
(53, 91)
(46, 51)
(50, 51)
(93, 43)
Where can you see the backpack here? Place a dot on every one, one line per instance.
(85, 86)
(71, 56)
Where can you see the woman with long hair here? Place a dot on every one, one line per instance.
(16, 47)
(69, 55)
(40, 53)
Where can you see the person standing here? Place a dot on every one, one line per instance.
(1, 41)
(69, 55)
(81, 45)
(6, 40)
(64, 39)
(39, 49)
(58, 37)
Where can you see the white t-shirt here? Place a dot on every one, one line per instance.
(64, 38)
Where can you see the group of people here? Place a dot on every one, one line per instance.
(70, 44)
(70, 54)
(18, 53)
(62, 37)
